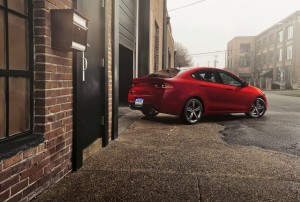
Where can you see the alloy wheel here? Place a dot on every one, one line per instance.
(193, 111)
(258, 108)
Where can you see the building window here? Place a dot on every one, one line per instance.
(245, 47)
(258, 44)
(272, 39)
(258, 60)
(289, 52)
(279, 55)
(245, 61)
(265, 58)
(15, 69)
(280, 36)
(156, 47)
(265, 42)
(290, 32)
(271, 57)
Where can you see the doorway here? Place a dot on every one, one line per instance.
(89, 85)
(126, 74)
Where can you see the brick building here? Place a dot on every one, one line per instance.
(240, 57)
(155, 40)
(170, 46)
(276, 56)
(58, 106)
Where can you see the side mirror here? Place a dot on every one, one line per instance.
(245, 84)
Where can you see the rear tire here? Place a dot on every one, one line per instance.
(192, 111)
(258, 108)
(150, 112)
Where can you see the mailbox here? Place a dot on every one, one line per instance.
(68, 30)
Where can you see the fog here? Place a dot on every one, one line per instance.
(208, 26)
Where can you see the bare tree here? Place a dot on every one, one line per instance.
(182, 57)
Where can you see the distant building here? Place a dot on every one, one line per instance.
(278, 54)
(170, 46)
(276, 57)
(241, 55)
(156, 45)
(62, 82)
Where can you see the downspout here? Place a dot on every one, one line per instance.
(115, 70)
(136, 73)
(105, 138)
(165, 45)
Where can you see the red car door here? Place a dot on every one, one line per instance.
(236, 93)
(211, 91)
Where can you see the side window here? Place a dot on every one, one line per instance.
(15, 69)
(205, 76)
(229, 80)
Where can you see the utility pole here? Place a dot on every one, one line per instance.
(216, 61)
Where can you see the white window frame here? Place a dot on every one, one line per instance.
(280, 55)
(290, 32)
(289, 52)
(280, 36)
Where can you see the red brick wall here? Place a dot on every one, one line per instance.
(28, 173)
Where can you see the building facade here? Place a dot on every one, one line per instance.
(155, 40)
(276, 56)
(59, 106)
(240, 57)
(170, 58)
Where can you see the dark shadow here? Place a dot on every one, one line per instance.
(126, 74)
(175, 120)
(165, 119)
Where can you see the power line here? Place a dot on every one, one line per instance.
(186, 5)
(219, 51)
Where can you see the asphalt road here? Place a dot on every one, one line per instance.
(278, 130)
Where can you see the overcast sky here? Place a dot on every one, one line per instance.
(209, 25)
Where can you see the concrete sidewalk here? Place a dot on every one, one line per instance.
(293, 93)
(160, 159)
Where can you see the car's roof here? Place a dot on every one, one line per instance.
(187, 71)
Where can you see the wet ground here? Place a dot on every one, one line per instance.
(162, 159)
(278, 130)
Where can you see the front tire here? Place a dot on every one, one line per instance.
(258, 108)
(192, 111)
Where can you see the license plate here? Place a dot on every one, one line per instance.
(139, 102)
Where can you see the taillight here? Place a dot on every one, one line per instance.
(163, 85)
(155, 85)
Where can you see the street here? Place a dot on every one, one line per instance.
(278, 130)
(162, 159)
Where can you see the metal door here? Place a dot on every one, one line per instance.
(89, 82)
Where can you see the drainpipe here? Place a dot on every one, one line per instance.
(165, 45)
(136, 69)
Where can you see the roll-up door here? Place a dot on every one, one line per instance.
(128, 23)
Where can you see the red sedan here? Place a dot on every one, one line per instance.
(196, 92)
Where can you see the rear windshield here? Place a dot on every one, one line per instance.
(165, 73)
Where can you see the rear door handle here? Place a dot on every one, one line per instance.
(229, 89)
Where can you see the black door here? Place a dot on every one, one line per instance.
(89, 83)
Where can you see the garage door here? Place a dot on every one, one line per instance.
(128, 23)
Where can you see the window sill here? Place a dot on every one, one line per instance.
(11, 148)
